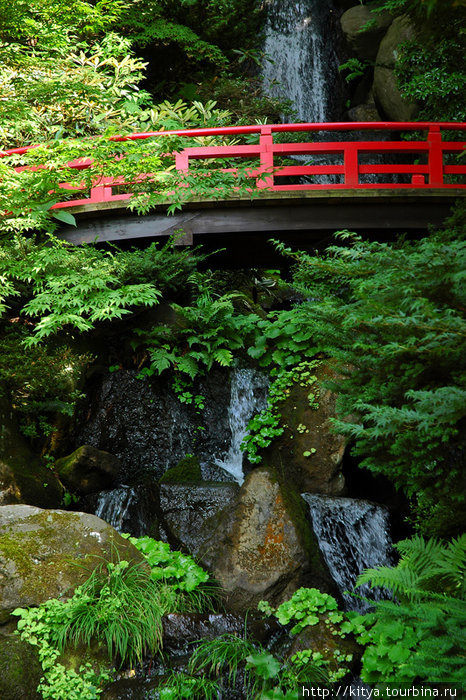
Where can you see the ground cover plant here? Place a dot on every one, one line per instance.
(119, 607)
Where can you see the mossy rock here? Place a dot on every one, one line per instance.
(188, 470)
(20, 669)
(47, 553)
(88, 470)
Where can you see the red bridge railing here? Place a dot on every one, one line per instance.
(429, 163)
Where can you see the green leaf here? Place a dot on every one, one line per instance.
(64, 216)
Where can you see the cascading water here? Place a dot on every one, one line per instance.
(116, 508)
(301, 64)
(248, 396)
(353, 535)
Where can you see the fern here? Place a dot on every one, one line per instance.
(426, 566)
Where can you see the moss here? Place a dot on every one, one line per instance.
(188, 470)
(20, 670)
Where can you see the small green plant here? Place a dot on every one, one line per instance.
(264, 675)
(267, 425)
(120, 605)
(419, 639)
(176, 569)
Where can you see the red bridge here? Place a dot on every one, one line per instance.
(415, 182)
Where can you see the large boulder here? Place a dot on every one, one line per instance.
(386, 92)
(47, 553)
(364, 30)
(309, 454)
(88, 470)
(261, 545)
(23, 479)
(185, 508)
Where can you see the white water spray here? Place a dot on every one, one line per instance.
(248, 397)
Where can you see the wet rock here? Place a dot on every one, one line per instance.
(364, 41)
(308, 454)
(145, 425)
(386, 92)
(325, 639)
(47, 553)
(20, 669)
(186, 508)
(188, 470)
(181, 629)
(130, 689)
(261, 546)
(88, 470)
(365, 113)
(23, 479)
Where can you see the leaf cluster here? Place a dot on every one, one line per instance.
(400, 326)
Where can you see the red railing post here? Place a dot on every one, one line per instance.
(100, 194)
(351, 165)
(434, 139)
(181, 162)
(266, 158)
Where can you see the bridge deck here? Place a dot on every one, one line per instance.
(269, 213)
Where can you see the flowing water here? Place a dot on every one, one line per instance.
(301, 63)
(248, 397)
(353, 535)
(119, 508)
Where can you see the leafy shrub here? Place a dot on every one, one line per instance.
(43, 386)
(121, 605)
(400, 326)
(421, 638)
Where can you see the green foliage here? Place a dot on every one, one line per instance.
(426, 566)
(120, 606)
(400, 326)
(305, 607)
(433, 73)
(208, 332)
(266, 425)
(421, 638)
(44, 385)
(177, 570)
(69, 287)
(355, 67)
(263, 674)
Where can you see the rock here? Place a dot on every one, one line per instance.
(261, 546)
(186, 508)
(147, 427)
(188, 470)
(88, 470)
(386, 92)
(322, 638)
(364, 113)
(47, 553)
(308, 454)
(182, 629)
(364, 43)
(20, 669)
(23, 478)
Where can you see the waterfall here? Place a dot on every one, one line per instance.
(119, 508)
(353, 535)
(300, 63)
(248, 397)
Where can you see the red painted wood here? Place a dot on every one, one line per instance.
(427, 174)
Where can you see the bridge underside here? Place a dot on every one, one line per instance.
(307, 213)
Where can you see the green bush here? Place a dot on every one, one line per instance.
(397, 327)
(420, 639)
